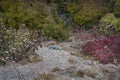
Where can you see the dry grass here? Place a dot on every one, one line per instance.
(91, 74)
(45, 77)
(34, 58)
(72, 60)
(56, 69)
(73, 53)
(31, 59)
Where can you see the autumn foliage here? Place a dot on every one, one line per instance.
(105, 50)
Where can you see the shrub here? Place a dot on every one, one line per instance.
(13, 14)
(56, 32)
(56, 69)
(14, 44)
(17, 12)
(73, 7)
(111, 4)
(110, 25)
(117, 8)
(72, 60)
(89, 13)
(80, 73)
(105, 50)
(2, 62)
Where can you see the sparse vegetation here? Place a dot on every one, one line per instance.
(92, 25)
(45, 77)
(110, 25)
(72, 60)
(80, 73)
(34, 58)
(91, 73)
(56, 69)
(14, 45)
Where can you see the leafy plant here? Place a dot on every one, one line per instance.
(56, 32)
(2, 62)
(105, 50)
(14, 44)
(110, 25)
(89, 13)
(117, 8)
(80, 73)
(17, 12)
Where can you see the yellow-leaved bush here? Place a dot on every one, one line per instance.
(17, 12)
(89, 13)
(110, 25)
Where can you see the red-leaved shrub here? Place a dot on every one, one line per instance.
(105, 50)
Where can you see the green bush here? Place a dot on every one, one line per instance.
(110, 25)
(117, 8)
(73, 7)
(89, 13)
(14, 44)
(13, 13)
(34, 15)
(17, 12)
(56, 32)
(111, 4)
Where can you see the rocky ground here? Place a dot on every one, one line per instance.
(64, 63)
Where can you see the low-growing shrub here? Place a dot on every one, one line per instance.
(56, 32)
(91, 73)
(34, 58)
(117, 8)
(110, 25)
(105, 50)
(89, 13)
(72, 60)
(80, 73)
(17, 12)
(56, 69)
(14, 44)
(2, 62)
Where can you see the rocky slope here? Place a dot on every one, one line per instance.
(63, 64)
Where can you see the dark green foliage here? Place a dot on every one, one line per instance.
(13, 13)
(117, 8)
(111, 4)
(17, 12)
(56, 32)
(2, 62)
(33, 14)
(89, 13)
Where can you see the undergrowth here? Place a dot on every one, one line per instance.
(105, 50)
